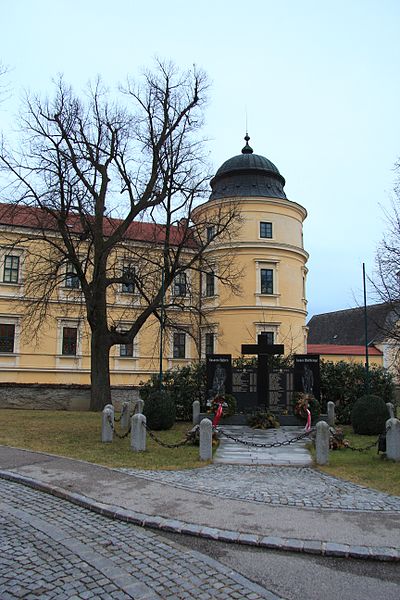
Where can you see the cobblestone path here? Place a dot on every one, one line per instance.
(50, 548)
(288, 486)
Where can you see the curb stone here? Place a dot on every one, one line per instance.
(337, 550)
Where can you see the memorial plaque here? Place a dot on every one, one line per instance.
(219, 375)
(280, 390)
(307, 374)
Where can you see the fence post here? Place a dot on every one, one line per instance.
(390, 408)
(205, 439)
(138, 433)
(322, 443)
(393, 439)
(195, 412)
(107, 427)
(125, 415)
(139, 407)
(331, 414)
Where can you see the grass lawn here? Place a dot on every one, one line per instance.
(77, 435)
(366, 468)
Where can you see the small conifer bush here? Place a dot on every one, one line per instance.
(369, 415)
(159, 410)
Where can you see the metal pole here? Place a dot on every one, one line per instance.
(161, 327)
(366, 334)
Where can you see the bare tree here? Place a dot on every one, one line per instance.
(96, 173)
(386, 281)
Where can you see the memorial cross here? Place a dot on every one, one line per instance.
(262, 349)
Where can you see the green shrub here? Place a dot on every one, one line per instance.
(369, 415)
(184, 384)
(343, 383)
(159, 410)
(261, 420)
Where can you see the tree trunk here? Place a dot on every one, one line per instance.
(100, 371)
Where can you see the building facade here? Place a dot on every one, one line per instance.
(264, 256)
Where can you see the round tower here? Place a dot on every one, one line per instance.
(263, 254)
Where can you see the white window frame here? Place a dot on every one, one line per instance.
(11, 251)
(16, 321)
(124, 326)
(205, 330)
(72, 323)
(259, 230)
(70, 271)
(131, 266)
(173, 289)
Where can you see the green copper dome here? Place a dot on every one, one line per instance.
(247, 174)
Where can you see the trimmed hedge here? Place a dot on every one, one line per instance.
(159, 410)
(369, 415)
(344, 383)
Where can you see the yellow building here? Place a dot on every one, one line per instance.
(265, 250)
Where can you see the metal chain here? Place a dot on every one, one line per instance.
(259, 445)
(124, 408)
(365, 448)
(164, 444)
(121, 436)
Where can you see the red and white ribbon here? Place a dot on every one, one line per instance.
(307, 428)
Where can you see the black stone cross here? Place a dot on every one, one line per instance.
(263, 350)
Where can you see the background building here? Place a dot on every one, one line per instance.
(340, 335)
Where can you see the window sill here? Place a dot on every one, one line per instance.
(261, 295)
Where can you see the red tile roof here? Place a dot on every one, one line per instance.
(342, 350)
(36, 218)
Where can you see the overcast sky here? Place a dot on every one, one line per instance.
(319, 80)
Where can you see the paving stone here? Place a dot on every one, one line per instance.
(57, 570)
(279, 486)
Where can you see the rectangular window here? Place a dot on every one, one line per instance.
(126, 349)
(128, 271)
(179, 349)
(71, 278)
(69, 341)
(210, 233)
(267, 281)
(210, 284)
(11, 269)
(265, 230)
(270, 337)
(7, 336)
(209, 343)
(180, 285)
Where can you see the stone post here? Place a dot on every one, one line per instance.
(139, 406)
(138, 433)
(196, 412)
(107, 428)
(322, 443)
(393, 439)
(205, 439)
(331, 414)
(125, 415)
(390, 408)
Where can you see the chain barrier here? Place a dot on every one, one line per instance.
(123, 411)
(270, 445)
(164, 444)
(121, 436)
(343, 446)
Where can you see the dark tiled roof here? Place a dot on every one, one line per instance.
(346, 327)
(335, 349)
(35, 218)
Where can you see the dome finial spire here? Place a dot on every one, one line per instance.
(247, 149)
